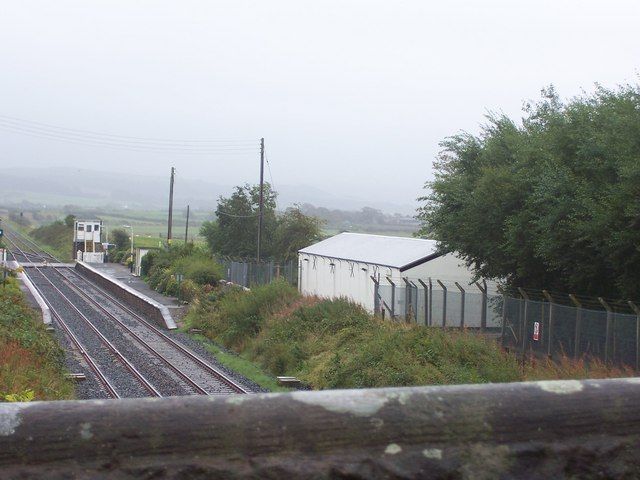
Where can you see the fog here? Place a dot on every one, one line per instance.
(352, 97)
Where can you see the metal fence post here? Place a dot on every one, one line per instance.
(504, 319)
(417, 300)
(576, 302)
(635, 308)
(462, 292)
(444, 303)
(426, 301)
(607, 338)
(376, 294)
(524, 321)
(548, 296)
(408, 305)
(430, 302)
(393, 298)
(483, 313)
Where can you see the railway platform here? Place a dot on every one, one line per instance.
(122, 273)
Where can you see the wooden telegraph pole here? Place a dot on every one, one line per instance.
(173, 172)
(261, 208)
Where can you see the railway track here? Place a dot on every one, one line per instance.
(201, 376)
(129, 356)
(26, 250)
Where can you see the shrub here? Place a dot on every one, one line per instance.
(31, 362)
(239, 315)
(188, 290)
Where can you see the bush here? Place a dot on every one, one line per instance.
(239, 316)
(161, 267)
(31, 362)
(57, 237)
(188, 290)
(338, 344)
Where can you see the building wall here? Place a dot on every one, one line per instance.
(332, 278)
(317, 276)
(84, 235)
(447, 267)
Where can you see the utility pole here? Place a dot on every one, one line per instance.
(186, 230)
(261, 199)
(173, 172)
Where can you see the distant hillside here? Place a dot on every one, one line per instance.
(367, 219)
(64, 186)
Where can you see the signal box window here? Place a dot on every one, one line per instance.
(81, 228)
(88, 228)
(96, 228)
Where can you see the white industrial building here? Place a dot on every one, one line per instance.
(343, 266)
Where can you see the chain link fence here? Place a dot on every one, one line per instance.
(521, 324)
(247, 273)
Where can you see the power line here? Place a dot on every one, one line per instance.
(237, 216)
(49, 126)
(273, 186)
(34, 129)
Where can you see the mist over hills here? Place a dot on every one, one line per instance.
(63, 186)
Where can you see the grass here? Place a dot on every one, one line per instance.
(55, 238)
(337, 344)
(30, 359)
(243, 366)
(569, 368)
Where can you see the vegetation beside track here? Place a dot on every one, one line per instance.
(200, 271)
(31, 362)
(337, 344)
(55, 238)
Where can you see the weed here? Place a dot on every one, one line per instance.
(30, 360)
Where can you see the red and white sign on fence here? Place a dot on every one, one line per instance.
(536, 331)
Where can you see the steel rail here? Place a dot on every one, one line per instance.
(38, 251)
(201, 390)
(127, 364)
(206, 366)
(102, 378)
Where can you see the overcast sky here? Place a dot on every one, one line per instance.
(352, 97)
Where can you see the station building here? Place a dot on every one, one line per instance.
(87, 244)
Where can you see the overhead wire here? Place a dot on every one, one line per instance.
(126, 137)
(273, 187)
(237, 216)
(90, 138)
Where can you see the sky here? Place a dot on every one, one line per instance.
(352, 97)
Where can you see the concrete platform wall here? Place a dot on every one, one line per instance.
(129, 296)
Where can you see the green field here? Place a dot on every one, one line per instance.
(150, 226)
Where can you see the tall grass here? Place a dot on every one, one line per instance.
(56, 238)
(29, 358)
(337, 344)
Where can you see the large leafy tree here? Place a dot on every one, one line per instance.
(294, 231)
(553, 202)
(234, 233)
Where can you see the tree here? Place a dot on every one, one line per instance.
(235, 231)
(294, 231)
(70, 220)
(552, 203)
(120, 239)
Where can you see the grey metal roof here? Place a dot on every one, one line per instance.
(395, 252)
